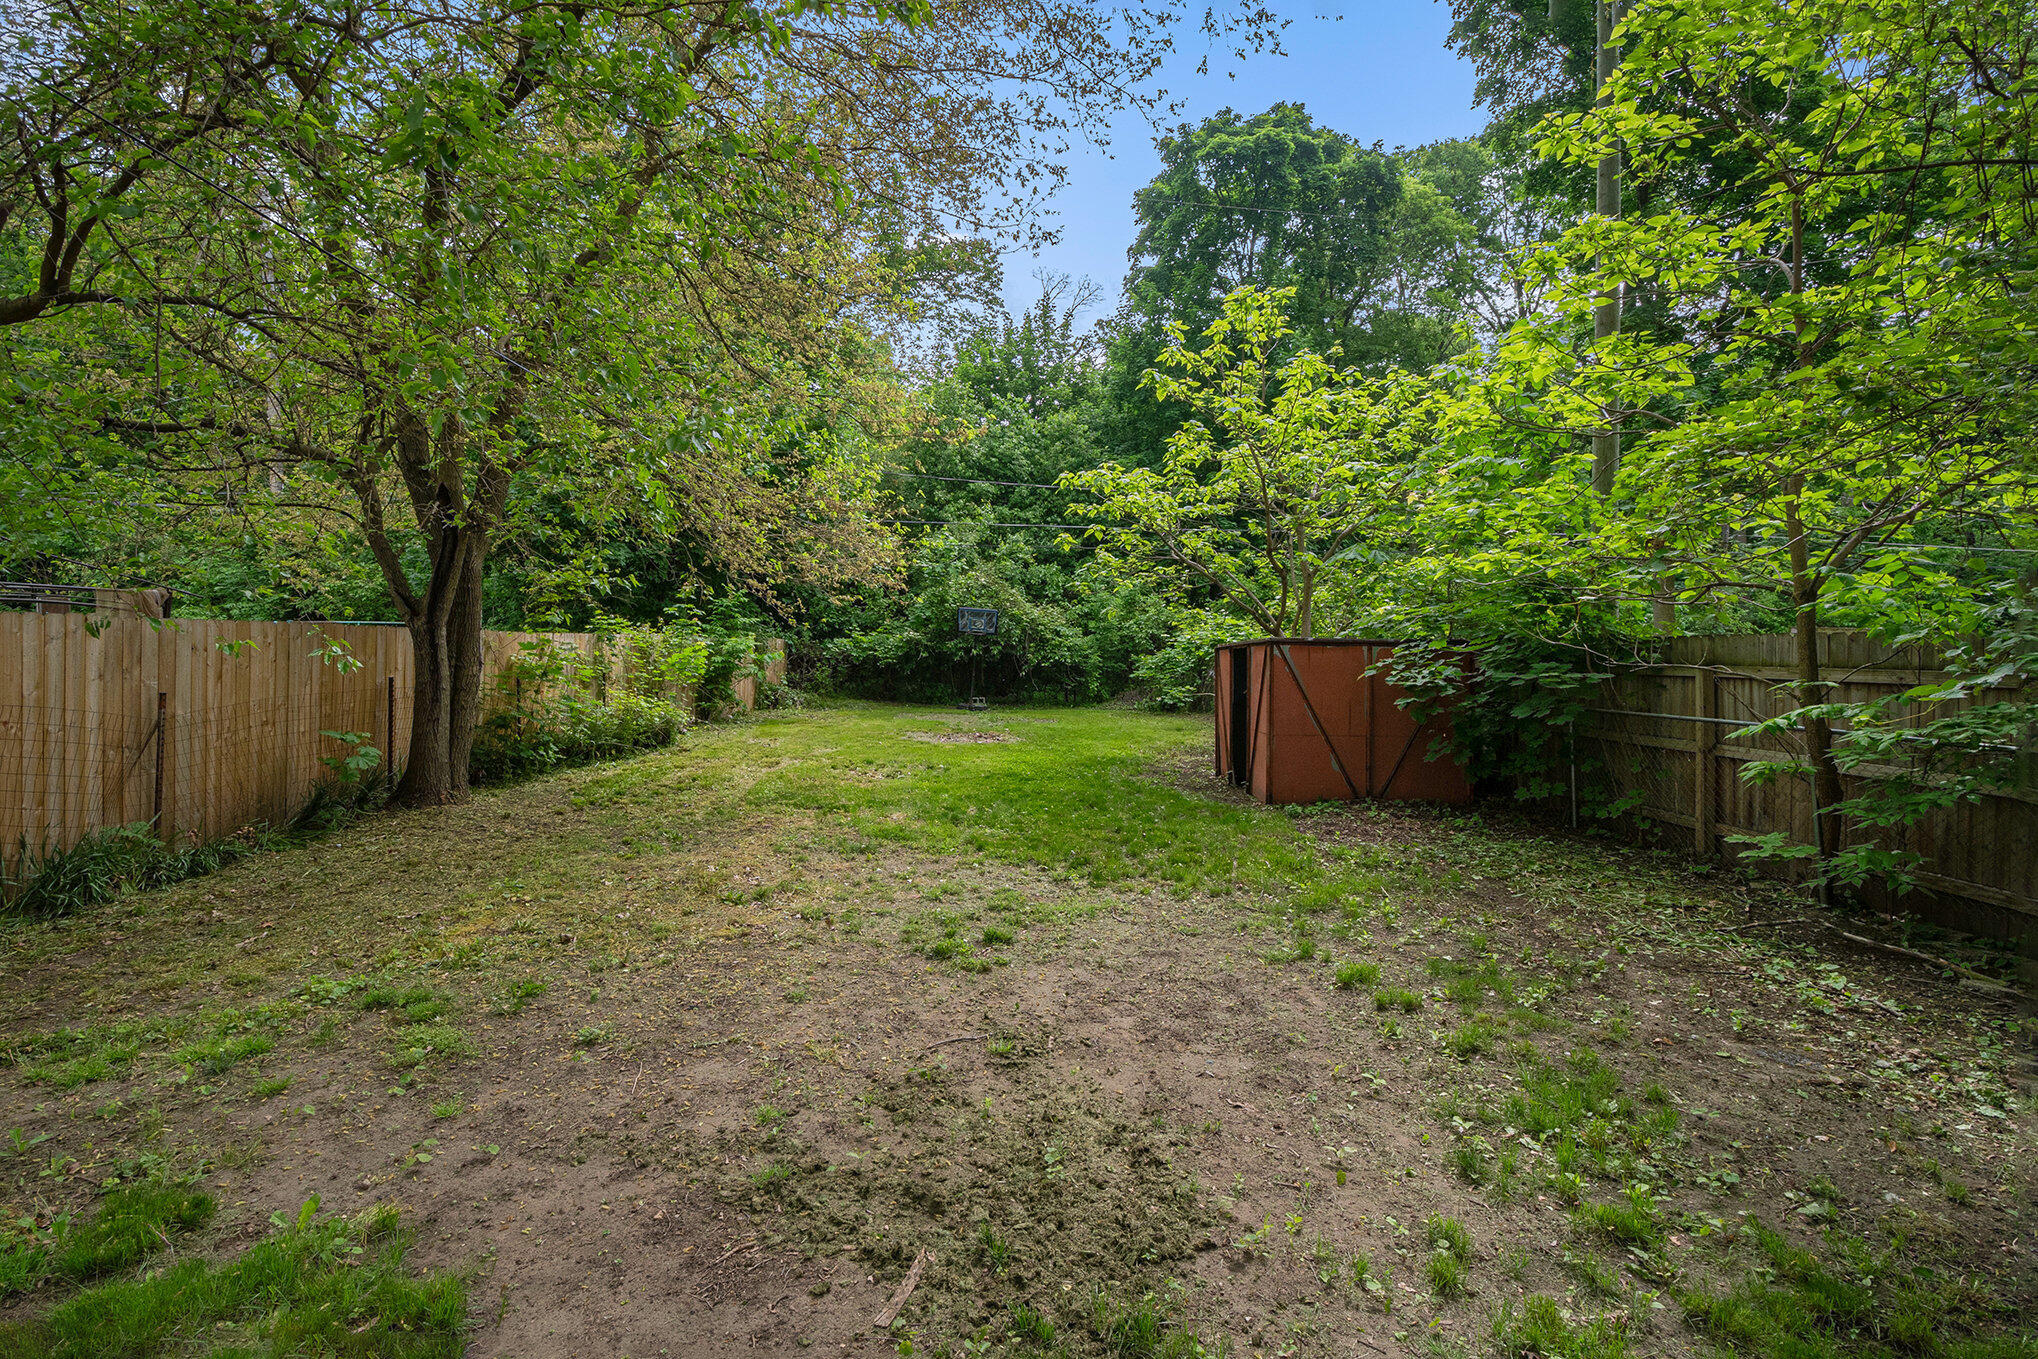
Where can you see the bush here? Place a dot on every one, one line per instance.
(46, 882)
(571, 729)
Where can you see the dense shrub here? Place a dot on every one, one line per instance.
(554, 707)
(571, 729)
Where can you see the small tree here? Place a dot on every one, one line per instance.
(1852, 365)
(1286, 470)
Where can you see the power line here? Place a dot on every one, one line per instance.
(978, 481)
(984, 523)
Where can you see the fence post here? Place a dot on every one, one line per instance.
(160, 821)
(1705, 766)
(389, 749)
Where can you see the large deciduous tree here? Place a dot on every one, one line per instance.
(432, 265)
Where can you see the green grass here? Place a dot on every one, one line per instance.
(217, 1056)
(1537, 1329)
(1447, 1268)
(65, 1059)
(128, 1225)
(423, 1042)
(1636, 1221)
(1865, 1306)
(407, 1004)
(1072, 795)
(336, 1287)
(1446, 1274)
(1447, 1234)
(1469, 983)
(1470, 1039)
(1351, 976)
(1394, 998)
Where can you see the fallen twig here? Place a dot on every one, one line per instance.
(1986, 983)
(747, 1243)
(965, 1038)
(883, 1321)
(1764, 924)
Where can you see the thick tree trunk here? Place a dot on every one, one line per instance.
(427, 774)
(463, 637)
(446, 692)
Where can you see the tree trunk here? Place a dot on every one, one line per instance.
(427, 773)
(446, 690)
(463, 636)
(1606, 316)
(1827, 791)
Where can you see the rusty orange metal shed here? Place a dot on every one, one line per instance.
(1300, 720)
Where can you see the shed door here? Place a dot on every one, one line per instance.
(1241, 716)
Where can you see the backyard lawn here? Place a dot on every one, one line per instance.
(711, 1051)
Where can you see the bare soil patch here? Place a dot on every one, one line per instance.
(741, 1047)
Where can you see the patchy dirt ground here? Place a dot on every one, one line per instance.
(699, 1054)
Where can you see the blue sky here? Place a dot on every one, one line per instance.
(1381, 73)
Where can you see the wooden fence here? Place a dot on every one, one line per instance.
(203, 726)
(1666, 736)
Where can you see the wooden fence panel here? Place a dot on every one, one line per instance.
(1666, 736)
(243, 711)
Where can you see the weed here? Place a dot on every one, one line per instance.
(1447, 1234)
(593, 1035)
(1635, 1222)
(1324, 1255)
(777, 1173)
(1537, 1329)
(216, 1056)
(1254, 1242)
(769, 1116)
(1394, 998)
(422, 1042)
(270, 1087)
(47, 882)
(449, 1108)
(1446, 1274)
(995, 935)
(1469, 1040)
(1468, 1159)
(512, 999)
(1351, 976)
